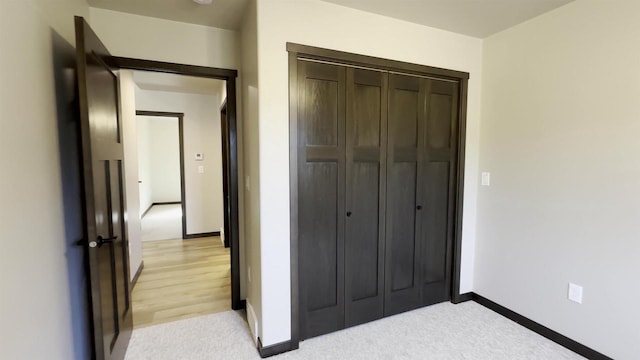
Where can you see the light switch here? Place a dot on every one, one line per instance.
(486, 178)
(198, 156)
(575, 293)
(201, 169)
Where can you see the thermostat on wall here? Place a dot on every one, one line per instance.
(199, 156)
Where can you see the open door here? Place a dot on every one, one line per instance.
(103, 177)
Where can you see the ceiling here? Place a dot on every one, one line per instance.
(157, 81)
(225, 14)
(477, 18)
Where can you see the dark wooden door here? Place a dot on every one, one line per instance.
(421, 170)
(321, 192)
(365, 194)
(439, 169)
(103, 177)
(405, 153)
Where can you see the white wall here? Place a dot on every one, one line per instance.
(137, 197)
(163, 40)
(161, 156)
(315, 23)
(202, 134)
(43, 305)
(249, 90)
(560, 127)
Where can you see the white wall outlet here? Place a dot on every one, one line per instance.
(201, 169)
(486, 178)
(198, 156)
(575, 293)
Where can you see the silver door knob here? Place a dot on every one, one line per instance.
(93, 244)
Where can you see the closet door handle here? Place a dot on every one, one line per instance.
(419, 207)
(348, 213)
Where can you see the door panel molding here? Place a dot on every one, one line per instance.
(321, 147)
(366, 161)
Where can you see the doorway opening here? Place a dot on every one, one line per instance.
(181, 137)
(103, 102)
(160, 166)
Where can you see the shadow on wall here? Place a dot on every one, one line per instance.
(64, 69)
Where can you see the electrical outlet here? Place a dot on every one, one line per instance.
(200, 169)
(575, 293)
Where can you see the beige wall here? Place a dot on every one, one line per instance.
(42, 296)
(560, 128)
(316, 23)
(251, 190)
(164, 40)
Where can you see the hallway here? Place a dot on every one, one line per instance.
(162, 222)
(181, 279)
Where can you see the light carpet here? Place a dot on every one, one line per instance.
(444, 331)
(162, 222)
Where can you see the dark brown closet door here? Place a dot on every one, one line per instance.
(321, 194)
(366, 161)
(405, 153)
(439, 169)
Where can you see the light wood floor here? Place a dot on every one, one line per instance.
(181, 279)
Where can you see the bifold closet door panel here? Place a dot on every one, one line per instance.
(366, 160)
(321, 192)
(404, 154)
(439, 165)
